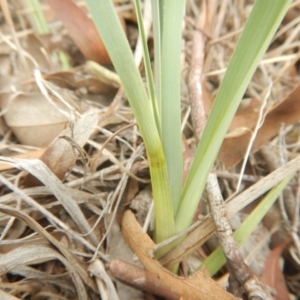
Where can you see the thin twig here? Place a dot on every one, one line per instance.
(238, 269)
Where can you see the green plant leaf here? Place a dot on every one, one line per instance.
(39, 21)
(260, 27)
(113, 36)
(156, 6)
(147, 63)
(172, 17)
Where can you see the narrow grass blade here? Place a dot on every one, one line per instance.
(111, 32)
(39, 22)
(157, 29)
(38, 18)
(217, 259)
(170, 93)
(147, 64)
(261, 26)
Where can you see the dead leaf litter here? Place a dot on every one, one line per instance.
(72, 160)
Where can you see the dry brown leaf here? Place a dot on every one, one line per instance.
(33, 120)
(131, 191)
(246, 115)
(287, 112)
(141, 203)
(36, 48)
(35, 55)
(61, 155)
(115, 119)
(273, 275)
(81, 29)
(71, 80)
(192, 288)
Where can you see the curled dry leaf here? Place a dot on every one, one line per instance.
(34, 120)
(81, 29)
(61, 155)
(288, 112)
(193, 288)
(71, 80)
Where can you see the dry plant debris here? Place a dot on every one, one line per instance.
(72, 159)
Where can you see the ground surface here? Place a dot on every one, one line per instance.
(61, 223)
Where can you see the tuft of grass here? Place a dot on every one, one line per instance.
(157, 110)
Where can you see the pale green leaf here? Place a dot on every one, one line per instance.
(112, 34)
(260, 27)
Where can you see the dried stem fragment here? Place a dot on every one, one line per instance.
(192, 288)
(237, 266)
(139, 278)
